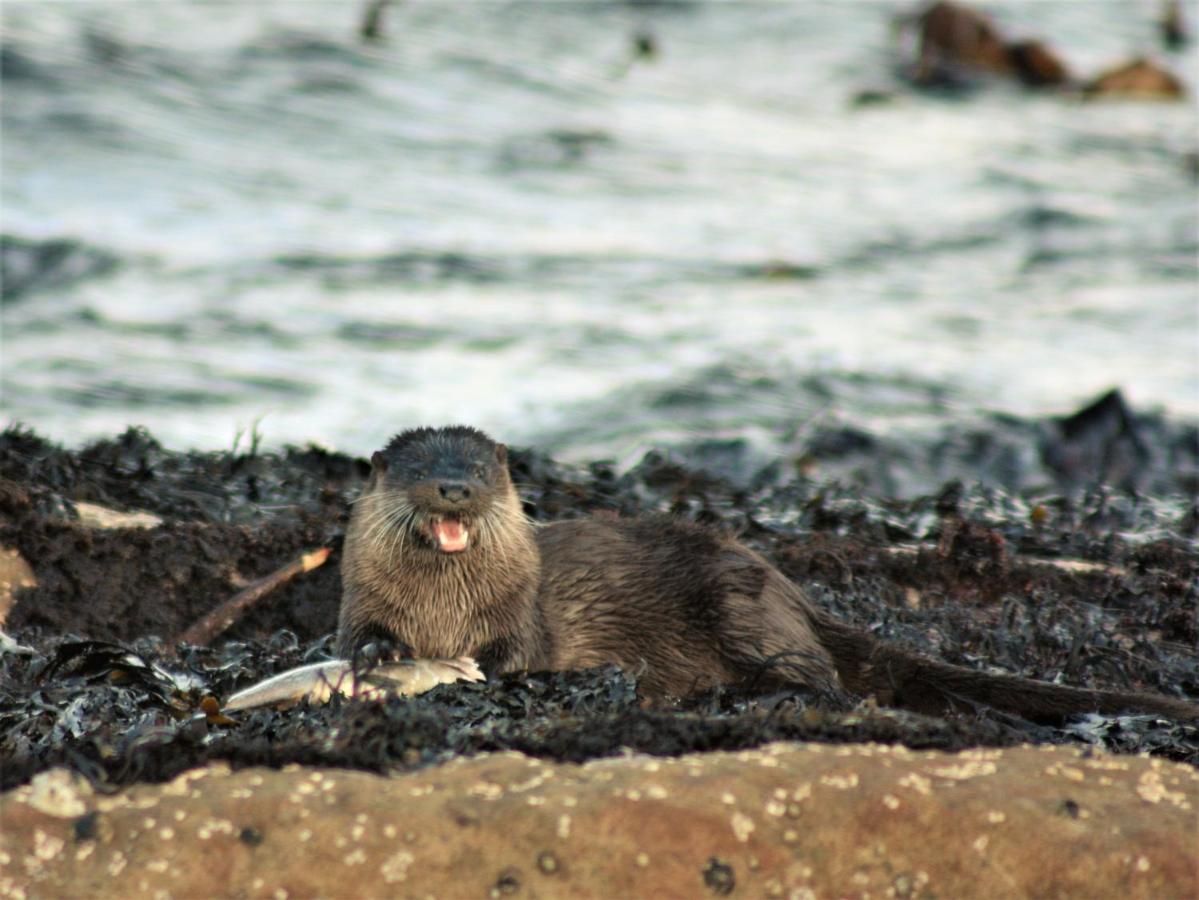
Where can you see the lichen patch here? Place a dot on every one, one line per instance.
(743, 826)
(972, 768)
(56, 793)
(1152, 789)
(840, 782)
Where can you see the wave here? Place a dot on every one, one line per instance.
(425, 266)
(27, 266)
(304, 46)
(17, 65)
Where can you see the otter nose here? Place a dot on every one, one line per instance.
(454, 491)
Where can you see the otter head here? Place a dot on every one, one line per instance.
(440, 486)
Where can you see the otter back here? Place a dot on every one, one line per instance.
(686, 607)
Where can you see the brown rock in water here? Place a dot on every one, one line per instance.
(1140, 79)
(1037, 65)
(784, 820)
(953, 35)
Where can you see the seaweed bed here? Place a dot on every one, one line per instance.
(974, 575)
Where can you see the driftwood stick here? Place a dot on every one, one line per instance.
(1065, 565)
(212, 624)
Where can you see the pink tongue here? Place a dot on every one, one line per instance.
(451, 536)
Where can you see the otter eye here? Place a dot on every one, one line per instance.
(479, 472)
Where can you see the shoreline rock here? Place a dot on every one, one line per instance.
(798, 820)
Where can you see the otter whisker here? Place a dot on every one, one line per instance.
(391, 516)
(401, 527)
(488, 540)
(380, 521)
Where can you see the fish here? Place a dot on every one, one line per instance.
(318, 682)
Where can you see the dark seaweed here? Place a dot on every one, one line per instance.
(963, 574)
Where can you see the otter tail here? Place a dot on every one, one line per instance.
(898, 677)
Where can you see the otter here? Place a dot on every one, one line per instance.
(440, 559)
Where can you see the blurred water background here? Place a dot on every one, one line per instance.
(221, 216)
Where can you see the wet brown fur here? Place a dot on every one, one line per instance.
(682, 605)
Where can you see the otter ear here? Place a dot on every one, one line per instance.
(501, 454)
(378, 463)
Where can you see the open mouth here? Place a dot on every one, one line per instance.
(449, 534)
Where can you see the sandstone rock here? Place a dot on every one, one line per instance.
(787, 820)
(14, 573)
